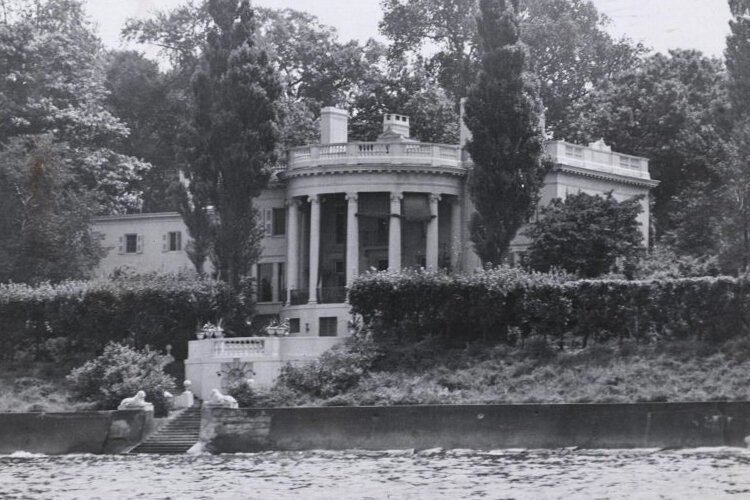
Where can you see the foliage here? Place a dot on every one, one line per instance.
(662, 262)
(586, 235)
(45, 217)
(54, 84)
(671, 109)
(336, 371)
(734, 191)
(604, 373)
(244, 392)
(155, 107)
(504, 115)
(569, 47)
(508, 305)
(118, 373)
(235, 135)
(151, 310)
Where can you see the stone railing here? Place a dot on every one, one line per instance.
(355, 153)
(600, 160)
(258, 348)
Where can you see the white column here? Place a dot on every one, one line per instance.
(456, 239)
(394, 232)
(314, 246)
(292, 249)
(431, 250)
(352, 238)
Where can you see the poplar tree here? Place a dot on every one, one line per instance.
(234, 138)
(735, 170)
(505, 116)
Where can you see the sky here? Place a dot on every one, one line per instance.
(659, 24)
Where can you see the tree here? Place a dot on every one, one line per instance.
(673, 110)
(235, 135)
(504, 115)
(586, 235)
(735, 170)
(569, 47)
(155, 107)
(53, 83)
(45, 217)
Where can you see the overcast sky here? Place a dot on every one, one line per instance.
(660, 24)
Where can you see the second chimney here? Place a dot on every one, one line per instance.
(334, 125)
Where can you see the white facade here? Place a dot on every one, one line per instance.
(340, 208)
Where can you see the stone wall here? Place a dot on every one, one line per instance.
(83, 432)
(640, 425)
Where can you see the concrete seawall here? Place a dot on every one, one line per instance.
(643, 425)
(80, 432)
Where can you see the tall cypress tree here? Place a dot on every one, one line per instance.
(505, 116)
(735, 170)
(235, 134)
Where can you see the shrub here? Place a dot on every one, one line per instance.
(146, 310)
(244, 392)
(500, 305)
(120, 372)
(336, 371)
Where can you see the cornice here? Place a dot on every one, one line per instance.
(595, 174)
(372, 169)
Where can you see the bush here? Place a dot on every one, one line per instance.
(120, 372)
(501, 305)
(151, 310)
(244, 392)
(335, 372)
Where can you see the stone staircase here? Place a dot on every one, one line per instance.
(177, 435)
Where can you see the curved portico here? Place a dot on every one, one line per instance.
(386, 211)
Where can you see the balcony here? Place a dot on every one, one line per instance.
(598, 159)
(374, 153)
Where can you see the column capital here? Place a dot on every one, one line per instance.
(352, 196)
(291, 202)
(397, 196)
(435, 197)
(313, 198)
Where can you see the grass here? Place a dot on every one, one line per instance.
(35, 386)
(670, 371)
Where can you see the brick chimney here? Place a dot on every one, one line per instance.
(334, 125)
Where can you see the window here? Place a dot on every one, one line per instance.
(173, 241)
(279, 221)
(265, 281)
(293, 325)
(281, 283)
(328, 327)
(131, 243)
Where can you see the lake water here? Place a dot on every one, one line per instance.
(698, 473)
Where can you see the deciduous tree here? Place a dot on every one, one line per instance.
(586, 235)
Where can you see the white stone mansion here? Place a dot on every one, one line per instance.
(339, 208)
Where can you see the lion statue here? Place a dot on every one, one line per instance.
(224, 400)
(137, 402)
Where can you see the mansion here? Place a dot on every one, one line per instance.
(339, 208)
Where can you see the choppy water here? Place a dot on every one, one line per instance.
(698, 473)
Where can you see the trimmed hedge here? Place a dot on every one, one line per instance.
(509, 305)
(154, 310)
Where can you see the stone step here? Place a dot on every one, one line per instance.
(176, 436)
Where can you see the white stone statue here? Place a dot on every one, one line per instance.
(186, 399)
(222, 400)
(137, 402)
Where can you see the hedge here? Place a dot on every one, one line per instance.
(153, 310)
(509, 305)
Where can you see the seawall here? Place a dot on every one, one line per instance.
(79, 432)
(637, 425)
